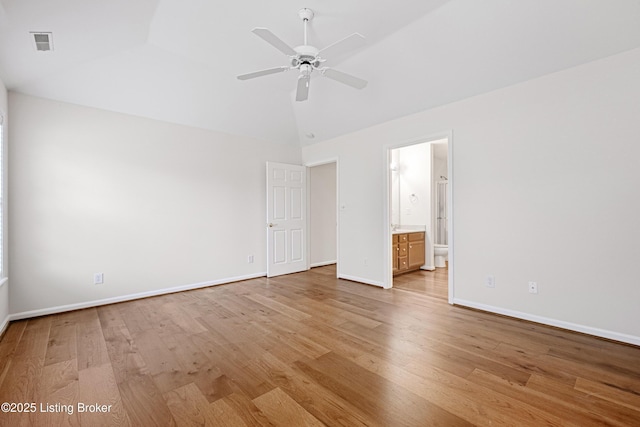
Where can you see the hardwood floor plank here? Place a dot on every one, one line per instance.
(245, 409)
(214, 385)
(93, 351)
(189, 407)
(58, 386)
(136, 317)
(283, 411)
(143, 402)
(161, 362)
(34, 339)
(183, 319)
(99, 402)
(8, 345)
(126, 360)
(339, 341)
(62, 342)
(615, 394)
(224, 415)
(186, 353)
(279, 307)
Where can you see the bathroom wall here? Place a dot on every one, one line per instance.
(414, 171)
(439, 162)
(394, 185)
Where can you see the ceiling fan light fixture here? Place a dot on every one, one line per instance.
(307, 59)
(305, 69)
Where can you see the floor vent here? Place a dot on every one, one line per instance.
(43, 41)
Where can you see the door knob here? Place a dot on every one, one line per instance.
(271, 225)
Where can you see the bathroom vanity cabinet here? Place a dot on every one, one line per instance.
(407, 252)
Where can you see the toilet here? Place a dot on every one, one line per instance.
(441, 253)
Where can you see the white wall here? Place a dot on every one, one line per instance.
(545, 188)
(439, 167)
(152, 205)
(322, 214)
(4, 284)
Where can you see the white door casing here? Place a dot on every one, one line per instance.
(286, 219)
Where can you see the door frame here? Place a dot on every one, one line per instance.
(309, 165)
(386, 214)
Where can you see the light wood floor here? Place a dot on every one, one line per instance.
(430, 283)
(307, 349)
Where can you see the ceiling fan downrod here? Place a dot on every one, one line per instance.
(306, 15)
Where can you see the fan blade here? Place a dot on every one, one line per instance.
(345, 78)
(273, 40)
(343, 46)
(302, 93)
(262, 73)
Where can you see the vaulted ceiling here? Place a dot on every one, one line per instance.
(177, 60)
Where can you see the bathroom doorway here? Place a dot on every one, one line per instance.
(418, 195)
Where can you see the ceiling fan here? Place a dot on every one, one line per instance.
(307, 59)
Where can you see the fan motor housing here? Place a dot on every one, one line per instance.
(306, 55)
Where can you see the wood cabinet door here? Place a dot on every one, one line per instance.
(416, 254)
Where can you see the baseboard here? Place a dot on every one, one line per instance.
(428, 267)
(130, 297)
(322, 264)
(361, 280)
(602, 333)
(4, 325)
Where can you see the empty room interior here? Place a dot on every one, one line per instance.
(320, 213)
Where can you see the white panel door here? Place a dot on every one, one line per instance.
(286, 219)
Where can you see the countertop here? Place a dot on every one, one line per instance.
(407, 230)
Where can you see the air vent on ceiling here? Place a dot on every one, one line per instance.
(43, 41)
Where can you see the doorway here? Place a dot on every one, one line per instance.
(418, 200)
(323, 214)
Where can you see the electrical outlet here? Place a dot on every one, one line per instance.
(533, 287)
(490, 281)
(98, 278)
(250, 259)
(366, 261)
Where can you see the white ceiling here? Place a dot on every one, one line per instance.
(176, 60)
